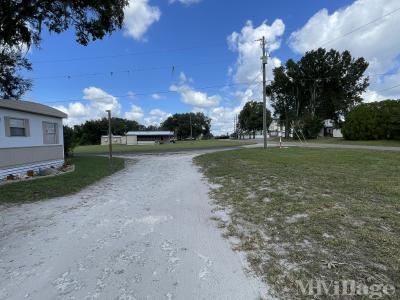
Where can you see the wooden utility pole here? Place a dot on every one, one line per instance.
(109, 136)
(191, 129)
(264, 65)
(234, 127)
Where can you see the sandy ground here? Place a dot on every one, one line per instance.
(144, 233)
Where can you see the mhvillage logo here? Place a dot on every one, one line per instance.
(317, 287)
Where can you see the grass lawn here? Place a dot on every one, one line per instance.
(325, 140)
(88, 170)
(184, 145)
(302, 214)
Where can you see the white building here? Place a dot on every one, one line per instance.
(329, 130)
(115, 139)
(149, 137)
(31, 137)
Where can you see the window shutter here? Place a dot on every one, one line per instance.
(27, 128)
(57, 136)
(44, 133)
(7, 126)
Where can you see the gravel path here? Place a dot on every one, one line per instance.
(143, 233)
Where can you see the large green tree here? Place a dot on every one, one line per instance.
(181, 124)
(321, 85)
(251, 117)
(22, 23)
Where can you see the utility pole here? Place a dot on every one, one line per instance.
(109, 135)
(264, 65)
(191, 129)
(234, 127)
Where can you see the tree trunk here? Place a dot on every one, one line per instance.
(287, 128)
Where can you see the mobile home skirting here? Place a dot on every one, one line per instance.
(21, 170)
(16, 158)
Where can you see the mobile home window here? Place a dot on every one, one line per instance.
(16, 127)
(50, 135)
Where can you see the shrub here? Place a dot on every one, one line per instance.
(311, 127)
(69, 141)
(373, 121)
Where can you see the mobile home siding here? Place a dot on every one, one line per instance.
(35, 137)
(10, 157)
(19, 154)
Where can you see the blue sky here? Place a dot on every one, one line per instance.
(200, 55)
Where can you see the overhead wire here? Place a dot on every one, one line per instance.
(200, 89)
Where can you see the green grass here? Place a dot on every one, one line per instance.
(386, 143)
(303, 214)
(87, 171)
(185, 145)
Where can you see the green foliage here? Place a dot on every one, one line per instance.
(373, 121)
(12, 85)
(311, 127)
(180, 124)
(251, 117)
(322, 85)
(22, 22)
(69, 141)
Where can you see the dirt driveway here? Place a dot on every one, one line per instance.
(144, 233)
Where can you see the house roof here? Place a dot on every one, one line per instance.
(151, 133)
(31, 107)
(113, 136)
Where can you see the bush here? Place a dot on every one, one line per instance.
(311, 127)
(373, 121)
(69, 141)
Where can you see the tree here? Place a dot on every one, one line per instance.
(180, 124)
(13, 85)
(373, 121)
(251, 117)
(22, 22)
(321, 85)
(69, 140)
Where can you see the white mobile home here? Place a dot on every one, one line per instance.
(31, 137)
(115, 139)
(148, 137)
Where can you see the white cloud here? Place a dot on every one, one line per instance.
(248, 63)
(247, 70)
(377, 42)
(139, 16)
(136, 113)
(156, 96)
(222, 119)
(156, 116)
(131, 95)
(99, 102)
(191, 96)
(184, 2)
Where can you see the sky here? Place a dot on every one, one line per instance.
(174, 56)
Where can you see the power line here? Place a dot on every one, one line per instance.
(130, 54)
(389, 88)
(150, 93)
(127, 71)
(362, 26)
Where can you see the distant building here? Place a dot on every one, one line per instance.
(115, 139)
(31, 137)
(329, 130)
(149, 137)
